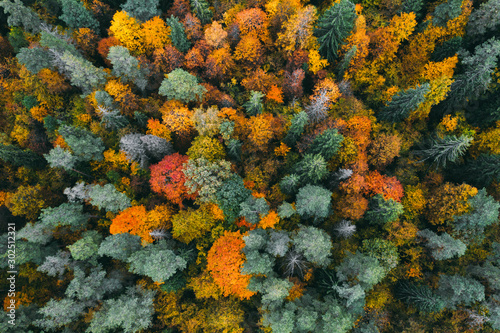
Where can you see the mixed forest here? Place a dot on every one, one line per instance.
(273, 166)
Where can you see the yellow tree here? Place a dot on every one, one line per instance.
(128, 31)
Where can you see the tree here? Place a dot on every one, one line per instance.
(249, 52)
(484, 212)
(364, 269)
(207, 147)
(476, 76)
(443, 246)
(446, 11)
(86, 248)
(82, 73)
(35, 59)
(404, 102)
(191, 224)
(168, 179)
(205, 177)
(482, 171)
(128, 31)
(91, 288)
(120, 246)
(298, 30)
(325, 93)
(75, 15)
(384, 149)
(57, 314)
(311, 169)
(299, 121)
(448, 202)
(177, 34)
(131, 312)
(254, 105)
(446, 149)
(113, 119)
(334, 26)
(230, 195)
(327, 143)
(421, 296)
(313, 201)
(157, 261)
(126, 67)
(143, 148)
(56, 265)
(207, 122)
(142, 10)
(456, 289)
(224, 261)
(156, 34)
(215, 35)
(315, 244)
(83, 143)
(201, 9)
(182, 86)
(414, 6)
(108, 197)
(133, 220)
(382, 211)
(285, 210)
(18, 157)
(26, 201)
(345, 229)
(19, 15)
(484, 19)
(254, 209)
(66, 214)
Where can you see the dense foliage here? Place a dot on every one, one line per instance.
(250, 166)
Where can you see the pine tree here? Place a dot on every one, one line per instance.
(311, 169)
(313, 201)
(254, 105)
(446, 11)
(18, 157)
(422, 297)
(482, 171)
(315, 244)
(126, 67)
(182, 86)
(443, 246)
(326, 144)
(76, 16)
(299, 121)
(177, 34)
(35, 59)
(82, 73)
(334, 26)
(202, 11)
(446, 149)
(484, 19)
(456, 289)
(254, 209)
(381, 211)
(403, 103)
(19, 15)
(142, 10)
(415, 6)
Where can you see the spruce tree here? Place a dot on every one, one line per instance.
(403, 103)
(202, 11)
(177, 34)
(443, 150)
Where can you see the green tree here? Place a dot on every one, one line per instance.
(414, 6)
(230, 195)
(439, 151)
(19, 15)
(334, 26)
(35, 59)
(315, 244)
(126, 67)
(18, 157)
(446, 11)
(120, 246)
(129, 313)
(157, 261)
(385, 251)
(484, 212)
(422, 297)
(85, 145)
(91, 288)
(76, 16)
(456, 289)
(66, 214)
(145, 148)
(381, 211)
(201, 9)
(444, 246)
(364, 269)
(484, 19)
(82, 73)
(327, 143)
(205, 177)
(56, 265)
(142, 10)
(57, 314)
(311, 169)
(254, 105)
(313, 201)
(182, 86)
(299, 121)
(108, 197)
(86, 248)
(404, 102)
(254, 209)
(290, 184)
(285, 210)
(177, 34)
(481, 171)
(61, 158)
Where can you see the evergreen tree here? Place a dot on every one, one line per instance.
(456, 289)
(403, 103)
(35, 59)
(278, 243)
(484, 19)
(334, 26)
(254, 105)
(120, 246)
(55, 266)
(91, 288)
(285, 210)
(343, 66)
(443, 246)
(126, 67)
(299, 121)
(86, 248)
(313, 201)
(202, 11)
(481, 171)
(381, 211)
(365, 269)
(254, 209)
(290, 184)
(345, 229)
(177, 34)
(446, 149)
(19, 15)
(57, 314)
(84, 144)
(205, 177)
(142, 10)
(182, 86)
(447, 49)
(66, 214)
(446, 11)
(315, 244)
(230, 195)
(108, 197)
(327, 143)
(312, 168)
(385, 251)
(18, 157)
(112, 119)
(422, 297)
(82, 73)
(414, 6)
(76, 16)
